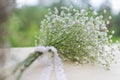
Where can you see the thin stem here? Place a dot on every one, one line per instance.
(21, 67)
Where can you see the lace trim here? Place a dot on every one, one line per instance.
(51, 61)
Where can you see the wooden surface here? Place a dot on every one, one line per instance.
(73, 71)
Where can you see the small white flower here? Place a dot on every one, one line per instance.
(77, 58)
(110, 17)
(89, 47)
(113, 32)
(105, 11)
(77, 63)
(91, 8)
(108, 22)
(82, 10)
(110, 36)
(95, 13)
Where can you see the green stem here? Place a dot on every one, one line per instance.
(21, 67)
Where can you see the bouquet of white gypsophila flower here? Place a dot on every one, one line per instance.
(79, 35)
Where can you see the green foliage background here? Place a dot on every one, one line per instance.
(23, 25)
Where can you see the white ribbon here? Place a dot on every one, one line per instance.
(50, 60)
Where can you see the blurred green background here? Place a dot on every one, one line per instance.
(25, 20)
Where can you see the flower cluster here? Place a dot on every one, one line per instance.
(79, 35)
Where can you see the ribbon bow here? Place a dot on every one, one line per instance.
(51, 60)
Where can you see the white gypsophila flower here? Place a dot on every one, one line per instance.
(113, 32)
(108, 22)
(110, 17)
(95, 13)
(77, 32)
(105, 10)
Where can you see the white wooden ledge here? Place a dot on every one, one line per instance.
(73, 71)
